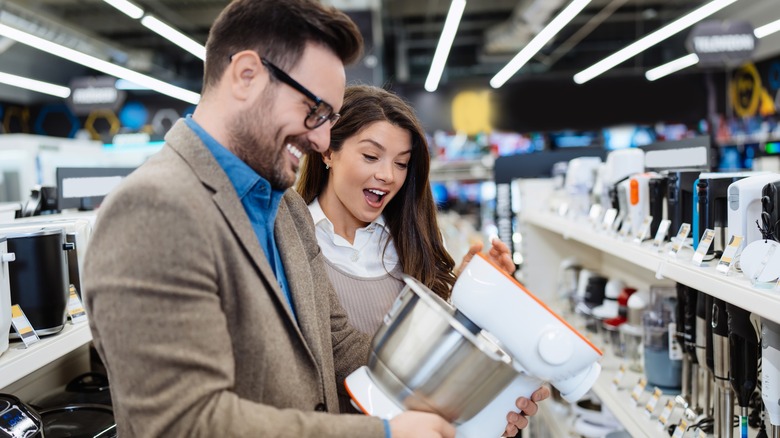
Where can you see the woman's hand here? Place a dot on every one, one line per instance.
(499, 254)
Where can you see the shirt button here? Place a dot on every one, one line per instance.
(320, 407)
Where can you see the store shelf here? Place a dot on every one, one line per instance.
(17, 362)
(734, 288)
(632, 415)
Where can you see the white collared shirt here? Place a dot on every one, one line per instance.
(364, 257)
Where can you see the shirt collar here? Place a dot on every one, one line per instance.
(243, 177)
(318, 216)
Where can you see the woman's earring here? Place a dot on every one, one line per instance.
(327, 167)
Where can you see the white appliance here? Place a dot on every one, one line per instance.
(744, 206)
(580, 178)
(5, 294)
(639, 198)
(542, 347)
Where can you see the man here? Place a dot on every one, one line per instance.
(209, 302)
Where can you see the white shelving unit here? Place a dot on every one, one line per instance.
(555, 238)
(733, 288)
(18, 362)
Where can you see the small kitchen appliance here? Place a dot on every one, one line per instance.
(5, 294)
(744, 206)
(416, 364)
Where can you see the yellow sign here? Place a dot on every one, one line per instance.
(471, 112)
(746, 90)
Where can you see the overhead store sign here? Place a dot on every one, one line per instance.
(95, 93)
(722, 43)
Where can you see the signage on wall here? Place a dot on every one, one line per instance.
(95, 93)
(749, 97)
(719, 43)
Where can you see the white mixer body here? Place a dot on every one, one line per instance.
(539, 341)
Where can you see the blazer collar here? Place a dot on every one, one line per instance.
(190, 147)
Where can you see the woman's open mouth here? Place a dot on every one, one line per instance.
(374, 197)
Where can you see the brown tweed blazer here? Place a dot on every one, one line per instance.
(186, 313)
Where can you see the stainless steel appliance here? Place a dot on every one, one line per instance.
(39, 277)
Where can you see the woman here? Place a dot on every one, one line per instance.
(374, 213)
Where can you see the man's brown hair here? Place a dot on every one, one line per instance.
(278, 30)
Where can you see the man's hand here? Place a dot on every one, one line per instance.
(499, 254)
(527, 408)
(415, 424)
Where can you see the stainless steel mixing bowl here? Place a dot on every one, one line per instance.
(429, 358)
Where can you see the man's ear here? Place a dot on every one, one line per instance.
(246, 74)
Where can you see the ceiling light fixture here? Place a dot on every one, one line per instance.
(445, 43)
(650, 40)
(539, 41)
(99, 64)
(767, 29)
(32, 84)
(691, 60)
(174, 36)
(127, 8)
(672, 66)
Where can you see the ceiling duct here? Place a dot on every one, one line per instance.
(528, 18)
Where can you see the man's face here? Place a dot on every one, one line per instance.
(271, 136)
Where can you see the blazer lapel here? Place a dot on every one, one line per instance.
(187, 144)
(302, 285)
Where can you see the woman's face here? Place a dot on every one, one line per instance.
(368, 171)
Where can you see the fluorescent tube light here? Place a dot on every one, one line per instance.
(124, 84)
(672, 66)
(650, 40)
(689, 60)
(32, 84)
(539, 41)
(127, 8)
(174, 36)
(445, 43)
(767, 29)
(99, 65)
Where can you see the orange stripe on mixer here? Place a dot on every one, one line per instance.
(541, 303)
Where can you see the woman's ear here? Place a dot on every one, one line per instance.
(327, 156)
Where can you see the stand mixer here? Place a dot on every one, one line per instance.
(513, 343)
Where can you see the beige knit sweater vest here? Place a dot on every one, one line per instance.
(366, 300)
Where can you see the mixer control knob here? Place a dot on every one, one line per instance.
(555, 347)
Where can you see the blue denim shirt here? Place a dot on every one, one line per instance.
(260, 201)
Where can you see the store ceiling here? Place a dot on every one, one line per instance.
(491, 32)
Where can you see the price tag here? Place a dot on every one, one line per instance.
(682, 426)
(625, 227)
(644, 229)
(618, 221)
(638, 389)
(675, 350)
(595, 213)
(660, 235)
(704, 246)
(653, 402)
(666, 413)
(563, 209)
(22, 326)
(619, 376)
(679, 240)
(76, 310)
(609, 219)
(727, 260)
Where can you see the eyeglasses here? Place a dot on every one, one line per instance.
(319, 113)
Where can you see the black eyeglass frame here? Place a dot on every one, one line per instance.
(313, 120)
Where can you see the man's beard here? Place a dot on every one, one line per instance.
(253, 141)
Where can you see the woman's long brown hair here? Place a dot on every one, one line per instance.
(411, 214)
